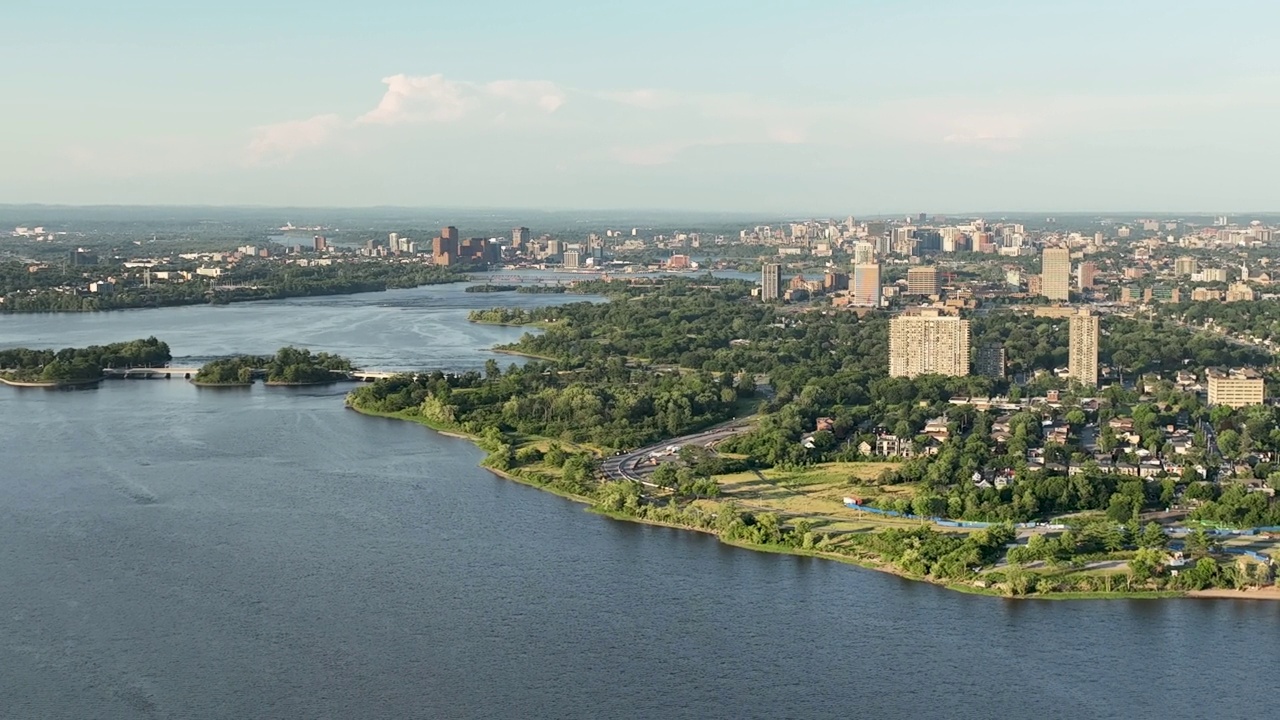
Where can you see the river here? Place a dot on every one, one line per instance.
(174, 552)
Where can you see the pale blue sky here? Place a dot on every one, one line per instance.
(802, 106)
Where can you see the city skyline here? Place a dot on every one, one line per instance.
(346, 109)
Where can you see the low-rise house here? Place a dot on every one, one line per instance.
(1121, 424)
(889, 445)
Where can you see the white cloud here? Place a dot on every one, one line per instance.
(545, 95)
(435, 98)
(409, 99)
(281, 141)
(417, 98)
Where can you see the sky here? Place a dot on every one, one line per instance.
(780, 106)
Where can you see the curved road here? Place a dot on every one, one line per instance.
(627, 466)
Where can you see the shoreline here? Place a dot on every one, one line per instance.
(518, 353)
(204, 301)
(47, 385)
(1267, 593)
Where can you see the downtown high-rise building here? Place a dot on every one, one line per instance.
(444, 250)
(520, 238)
(866, 285)
(1055, 273)
(923, 280)
(1086, 272)
(864, 253)
(770, 282)
(1082, 348)
(927, 342)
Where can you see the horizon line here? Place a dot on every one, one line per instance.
(620, 210)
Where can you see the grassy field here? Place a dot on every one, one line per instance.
(816, 493)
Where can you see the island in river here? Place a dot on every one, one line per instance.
(78, 366)
(289, 366)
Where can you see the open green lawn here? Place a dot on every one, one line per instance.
(816, 492)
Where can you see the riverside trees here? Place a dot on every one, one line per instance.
(75, 364)
(604, 403)
(289, 366)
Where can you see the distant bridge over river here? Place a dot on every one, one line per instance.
(151, 373)
(187, 373)
(519, 280)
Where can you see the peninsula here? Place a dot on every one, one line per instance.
(975, 483)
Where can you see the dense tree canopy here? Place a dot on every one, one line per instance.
(71, 364)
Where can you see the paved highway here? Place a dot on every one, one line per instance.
(634, 465)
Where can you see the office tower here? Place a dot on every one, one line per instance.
(520, 237)
(1055, 273)
(771, 282)
(571, 260)
(864, 253)
(1087, 272)
(320, 243)
(922, 280)
(833, 281)
(393, 241)
(866, 285)
(989, 361)
(450, 233)
(926, 341)
(1235, 388)
(473, 248)
(1185, 266)
(444, 250)
(1083, 347)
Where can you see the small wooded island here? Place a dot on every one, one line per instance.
(78, 366)
(289, 366)
(24, 367)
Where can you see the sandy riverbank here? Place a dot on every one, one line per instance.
(1266, 593)
(47, 385)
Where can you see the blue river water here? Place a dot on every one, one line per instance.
(174, 552)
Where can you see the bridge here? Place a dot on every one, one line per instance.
(517, 280)
(371, 375)
(187, 373)
(161, 373)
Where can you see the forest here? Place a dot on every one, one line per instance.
(289, 366)
(605, 403)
